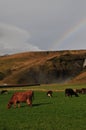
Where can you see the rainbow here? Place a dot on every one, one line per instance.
(69, 33)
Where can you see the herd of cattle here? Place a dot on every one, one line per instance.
(27, 96)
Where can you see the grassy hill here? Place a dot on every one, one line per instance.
(43, 67)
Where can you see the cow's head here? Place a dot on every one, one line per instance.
(9, 105)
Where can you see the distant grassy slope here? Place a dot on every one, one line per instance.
(81, 78)
(41, 67)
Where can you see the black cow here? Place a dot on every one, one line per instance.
(49, 93)
(69, 92)
(4, 92)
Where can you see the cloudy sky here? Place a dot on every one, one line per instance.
(40, 25)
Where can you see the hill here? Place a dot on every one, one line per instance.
(43, 67)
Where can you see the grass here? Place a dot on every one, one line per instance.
(54, 87)
(56, 113)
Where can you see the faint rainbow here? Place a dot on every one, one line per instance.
(70, 32)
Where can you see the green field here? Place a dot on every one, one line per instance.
(56, 113)
(54, 87)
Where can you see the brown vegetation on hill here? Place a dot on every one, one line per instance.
(42, 67)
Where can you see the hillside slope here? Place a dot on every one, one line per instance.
(81, 78)
(41, 67)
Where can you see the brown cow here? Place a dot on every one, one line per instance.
(78, 90)
(83, 90)
(19, 97)
(49, 93)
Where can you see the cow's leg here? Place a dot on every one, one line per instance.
(14, 104)
(71, 95)
(29, 102)
(18, 105)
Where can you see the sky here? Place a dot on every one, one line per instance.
(42, 25)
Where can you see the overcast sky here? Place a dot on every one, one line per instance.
(38, 25)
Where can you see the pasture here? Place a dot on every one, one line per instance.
(56, 113)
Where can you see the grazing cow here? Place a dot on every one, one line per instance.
(70, 92)
(83, 90)
(19, 97)
(78, 90)
(4, 92)
(49, 93)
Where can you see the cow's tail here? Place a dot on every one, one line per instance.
(33, 95)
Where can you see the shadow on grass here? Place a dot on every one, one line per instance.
(40, 104)
(34, 105)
